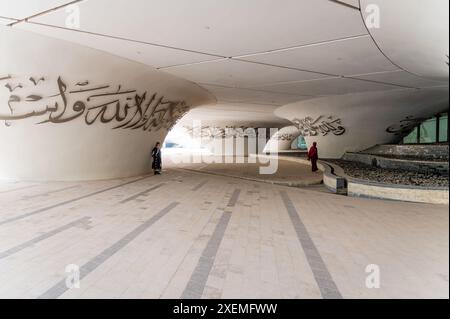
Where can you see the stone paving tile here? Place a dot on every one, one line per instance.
(259, 254)
(43, 236)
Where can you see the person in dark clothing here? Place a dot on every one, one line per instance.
(157, 162)
(313, 156)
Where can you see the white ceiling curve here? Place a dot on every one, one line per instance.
(22, 9)
(414, 35)
(246, 52)
(5, 21)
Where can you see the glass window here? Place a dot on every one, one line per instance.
(443, 128)
(294, 145)
(302, 143)
(428, 131)
(411, 138)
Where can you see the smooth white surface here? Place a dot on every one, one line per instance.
(21, 9)
(206, 42)
(238, 95)
(317, 35)
(354, 3)
(341, 57)
(223, 114)
(414, 34)
(227, 28)
(332, 86)
(237, 73)
(152, 55)
(74, 150)
(401, 78)
(5, 21)
(365, 116)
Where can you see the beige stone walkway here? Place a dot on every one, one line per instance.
(186, 234)
(288, 173)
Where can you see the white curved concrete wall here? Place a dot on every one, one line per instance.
(356, 122)
(414, 34)
(282, 140)
(74, 150)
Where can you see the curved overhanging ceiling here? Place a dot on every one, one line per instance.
(247, 53)
(414, 36)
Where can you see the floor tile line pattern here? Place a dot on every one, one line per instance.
(51, 192)
(234, 198)
(44, 209)
(260, 255)
(17, 189)
(197, 283)
(196, 188)
(60, 288)
(27, 244)
(143, 193)
(325, 282)
(289, 173)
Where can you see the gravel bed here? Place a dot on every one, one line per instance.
(390, 176)
(412, 158)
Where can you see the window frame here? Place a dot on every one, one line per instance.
(438, 117)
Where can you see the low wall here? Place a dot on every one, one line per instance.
(335, 184)
(358, 188)
(369, 189)
(336, 181)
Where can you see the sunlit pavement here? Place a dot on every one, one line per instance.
(194, 235)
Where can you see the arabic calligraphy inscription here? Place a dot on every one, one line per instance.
(321, 125)
(128, 109)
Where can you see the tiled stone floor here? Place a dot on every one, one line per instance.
(187, 234)
(288, 172)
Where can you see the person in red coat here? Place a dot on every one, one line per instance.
(313, 156)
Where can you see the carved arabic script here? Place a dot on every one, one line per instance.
(405, 126)
(212, 132)
(321, 125)
(128, 109)
(285, 137)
